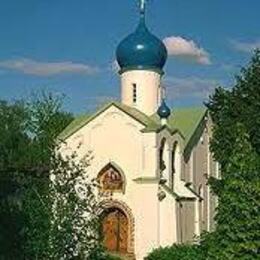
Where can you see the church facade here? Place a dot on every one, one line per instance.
(152, 162)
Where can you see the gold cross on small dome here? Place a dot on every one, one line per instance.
(142, 6)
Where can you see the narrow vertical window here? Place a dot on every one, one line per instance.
(134, 93)
(162, 165)
(174, 162)
(174, 157)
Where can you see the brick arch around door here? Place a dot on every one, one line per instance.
(117, 226)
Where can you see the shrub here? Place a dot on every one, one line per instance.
(112, 257)
(176, 252)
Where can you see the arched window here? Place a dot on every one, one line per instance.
(173, 163)
(202, 207)
(161, 155)
(110, 179)
(176, 170)
(174, 157)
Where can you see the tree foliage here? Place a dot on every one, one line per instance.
(48, 208)
(236, 146)
(28, 132)
(176, 252)
(75, 230)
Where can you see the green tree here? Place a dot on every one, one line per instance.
(75, 230)
(28, 132)
(12, 142)
(236, 146)
(44, 216)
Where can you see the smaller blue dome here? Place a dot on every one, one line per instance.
(141, 50)
(163, 111)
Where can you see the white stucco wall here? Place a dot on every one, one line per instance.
(148, 90)
(110, 139)
(168, 221)
(146, 216)
(115, 137)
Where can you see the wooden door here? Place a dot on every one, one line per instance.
(115, 230)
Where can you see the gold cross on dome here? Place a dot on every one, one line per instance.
(142, 6)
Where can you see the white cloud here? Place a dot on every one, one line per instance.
(191, 87)
(44, 69)
(245, 46)
(178, 46)
(115, 66)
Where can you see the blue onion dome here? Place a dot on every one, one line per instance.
(141, 50)
(163, 111)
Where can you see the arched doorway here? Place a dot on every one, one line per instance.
(115, 226)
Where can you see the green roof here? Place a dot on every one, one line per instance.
(184, 120)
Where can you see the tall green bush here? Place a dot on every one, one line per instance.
(236, 146)
(75, 230)
(176, 252)
(28, 132)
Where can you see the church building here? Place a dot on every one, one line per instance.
(152, 161)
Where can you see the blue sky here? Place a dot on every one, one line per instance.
(68, 46)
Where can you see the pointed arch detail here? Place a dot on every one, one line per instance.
(111, 178)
